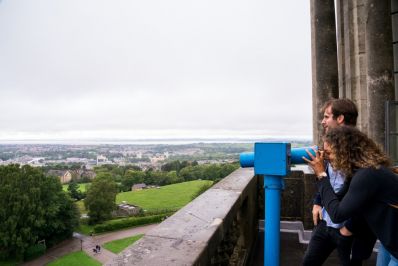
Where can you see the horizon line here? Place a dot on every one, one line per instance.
(149, 140)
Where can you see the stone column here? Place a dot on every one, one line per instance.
(352, 56)
(324, 59)
(379, 55)
(394, 20)
(341, 48)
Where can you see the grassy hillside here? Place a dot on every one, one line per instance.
(167, 197)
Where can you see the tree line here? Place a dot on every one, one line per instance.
(170, 173)
(33, 208)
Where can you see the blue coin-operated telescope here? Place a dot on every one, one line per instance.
(273, 160)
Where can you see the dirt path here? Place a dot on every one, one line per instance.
(88, 243)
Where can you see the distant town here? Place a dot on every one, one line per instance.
(144, 156)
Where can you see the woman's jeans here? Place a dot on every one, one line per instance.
(384, 258)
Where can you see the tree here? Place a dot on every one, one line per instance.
(100, 199)
(172, 178)
(177, 165)
(213, 172)
(132, 177)
(171, 166)
(73, 189)
(32, 207)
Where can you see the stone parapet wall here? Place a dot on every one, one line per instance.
(298, 196)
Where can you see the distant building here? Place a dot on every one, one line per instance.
(76, 160)
(38, 161)
(125, 209)
(58, 173)
(101, 159)
(66, 177)
(157, 158)
(90, 164)
(138, 187)
(88, 174)
(24, 159)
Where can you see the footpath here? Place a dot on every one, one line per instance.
(87, 244)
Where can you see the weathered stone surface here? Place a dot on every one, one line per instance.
(365, 40)
(396, 84)
(395, 49)
(202, 218)
(160, 251)
(237, 180)
(394, 19)
(310, 190)
(292, 197)
(324, 59)
(380, 65)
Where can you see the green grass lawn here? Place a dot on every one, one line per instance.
(167, 197)
(82, 187)
(75, 259)
(85, 229)
(81, 207)
(119, 245)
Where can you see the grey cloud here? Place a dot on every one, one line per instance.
(155, 65)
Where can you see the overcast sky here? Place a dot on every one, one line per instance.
(155, 68)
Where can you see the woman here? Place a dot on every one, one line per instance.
(373, 191)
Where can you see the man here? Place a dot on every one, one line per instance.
(327, 235)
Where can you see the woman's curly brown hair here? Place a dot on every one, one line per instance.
(354, 150)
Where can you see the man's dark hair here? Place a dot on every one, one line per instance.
(344, 107)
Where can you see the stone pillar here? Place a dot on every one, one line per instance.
(394, 20)
(352, 55)
(378, 41)
(292, 197)
(324, 59)
(340, 48)
(310, 190)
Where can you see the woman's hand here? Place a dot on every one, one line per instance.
(345, 232)
(317, 162)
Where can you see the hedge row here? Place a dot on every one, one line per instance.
(34, 251)
(129, 222)
(159, 211)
